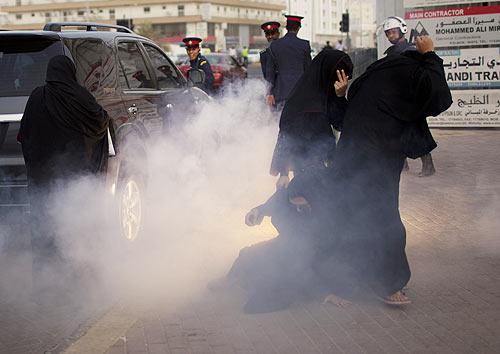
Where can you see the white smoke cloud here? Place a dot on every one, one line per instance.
(204, 177)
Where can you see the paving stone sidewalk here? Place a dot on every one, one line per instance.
(454, 251)
(452, 222)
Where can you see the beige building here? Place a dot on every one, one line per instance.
(220, 22)
(363, 23)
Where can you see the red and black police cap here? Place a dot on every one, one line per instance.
(293, 18)
(192, 41)
(270, 26)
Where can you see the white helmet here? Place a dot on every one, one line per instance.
(395, 22)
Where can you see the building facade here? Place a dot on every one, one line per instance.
(221, 22)
(321, 19)
(363, 23)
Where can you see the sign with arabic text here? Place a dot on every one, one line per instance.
(454, 27)
(470, 108)
(427, 3)
(472, 68)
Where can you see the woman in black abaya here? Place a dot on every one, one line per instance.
(316, 104)
(279, 271)
(385, 122)
(64, 136)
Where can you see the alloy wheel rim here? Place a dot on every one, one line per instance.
(131, 210)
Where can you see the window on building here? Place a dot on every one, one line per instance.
(147, 10)
(135, 74)
(100, 11)
(211, 29)
(32, 15)
(164, 7)
(180, 10)
(81, 13)
(170, 29)
(112, 14)
(19, 17)
(18, 2)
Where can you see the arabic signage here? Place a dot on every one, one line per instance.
(472, 68)
(471, 108)
(453, 27)
(427, 3)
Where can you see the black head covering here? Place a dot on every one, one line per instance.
(70, 104)
(63, 130)
(315, 91)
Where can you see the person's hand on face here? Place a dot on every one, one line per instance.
(341, 83)
(254, 217)
(424, 44)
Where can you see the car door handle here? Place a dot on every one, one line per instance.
(133, 109)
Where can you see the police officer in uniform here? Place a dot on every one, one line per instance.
(198, 61)
(272, 32)
(395, 29)
(289, 57)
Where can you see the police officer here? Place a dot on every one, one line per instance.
(289, 57)
(272, 32)
(395, 29)
(198, 61)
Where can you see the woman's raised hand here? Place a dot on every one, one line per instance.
(341, 83)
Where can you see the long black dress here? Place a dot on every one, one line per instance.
(278, 271)
(384, 123)
(306, 138)
(64, 136)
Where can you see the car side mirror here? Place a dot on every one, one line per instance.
(196, 76)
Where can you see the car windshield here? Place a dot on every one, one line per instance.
(23, 63)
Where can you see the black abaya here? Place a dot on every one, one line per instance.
(63, 130)
(394, 95)
(64, 136)
(306, 138)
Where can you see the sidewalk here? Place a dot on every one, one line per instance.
(454, 251)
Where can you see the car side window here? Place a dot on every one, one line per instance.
(135, 73)
(166, 74)
(94, 65)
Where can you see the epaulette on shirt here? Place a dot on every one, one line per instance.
(203, 60)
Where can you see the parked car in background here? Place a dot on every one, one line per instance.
(130, 76)
(226, 69)
(254, 55)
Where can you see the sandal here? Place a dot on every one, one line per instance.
(390, 300)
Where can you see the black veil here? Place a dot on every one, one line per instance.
(314, 92)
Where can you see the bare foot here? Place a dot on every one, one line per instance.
(337, 301)
(397, 299)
